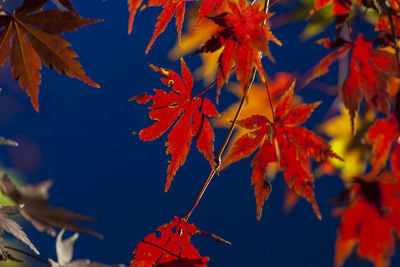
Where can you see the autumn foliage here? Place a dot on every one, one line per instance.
(358, 141)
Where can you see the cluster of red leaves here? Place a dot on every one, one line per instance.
(42, 28)
(189, 112)
(243, 35)
(285, 143)
(368, 73)
(371, 221)
(172, 248)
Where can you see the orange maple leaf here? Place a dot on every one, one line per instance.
(189, 113)
(243, 35)
(284, 143)
(369, 221)
(172, 248)
(42, 29)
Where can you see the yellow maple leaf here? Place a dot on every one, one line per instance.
(350, 147)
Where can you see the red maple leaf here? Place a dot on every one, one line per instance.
(340, 7)
(243, 36)
(170, 7)
(172, 248)
(189, 113)
(367, 76)
(207, 6)
(284, 143)
(370, 220)
(384, 134)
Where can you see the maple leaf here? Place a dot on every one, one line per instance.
(190, 114)
(207, 7)
(36, 209)
(193, 40)
(368, 73)
(256, 103)
(65, 250)
(369, 220)
(349, 146)
(282, 142)
(384, 134)
(243, 36)
(172, 248)
(35, 5)
(170, 7)
(42, 29)
(340, 7)
(12, 227)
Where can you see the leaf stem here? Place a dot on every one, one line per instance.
(218, 160)
(266, 8)
(205, 89)
(28, 254)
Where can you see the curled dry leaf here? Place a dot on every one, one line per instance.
(36, 209)
(12, 227)
(7, 142)
(65, 251)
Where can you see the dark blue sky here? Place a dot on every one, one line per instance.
(84, 142)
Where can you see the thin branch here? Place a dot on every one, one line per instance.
(5, 11)
(28, 254)
(396, 47)
(266, 9)
(218, 157)
(214, 170)
(205, 89)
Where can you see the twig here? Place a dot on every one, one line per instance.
(28, 254)
(215, 169)
(396, 47)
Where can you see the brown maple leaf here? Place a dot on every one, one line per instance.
(31, 35)
(9, 225)
(36, 209)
